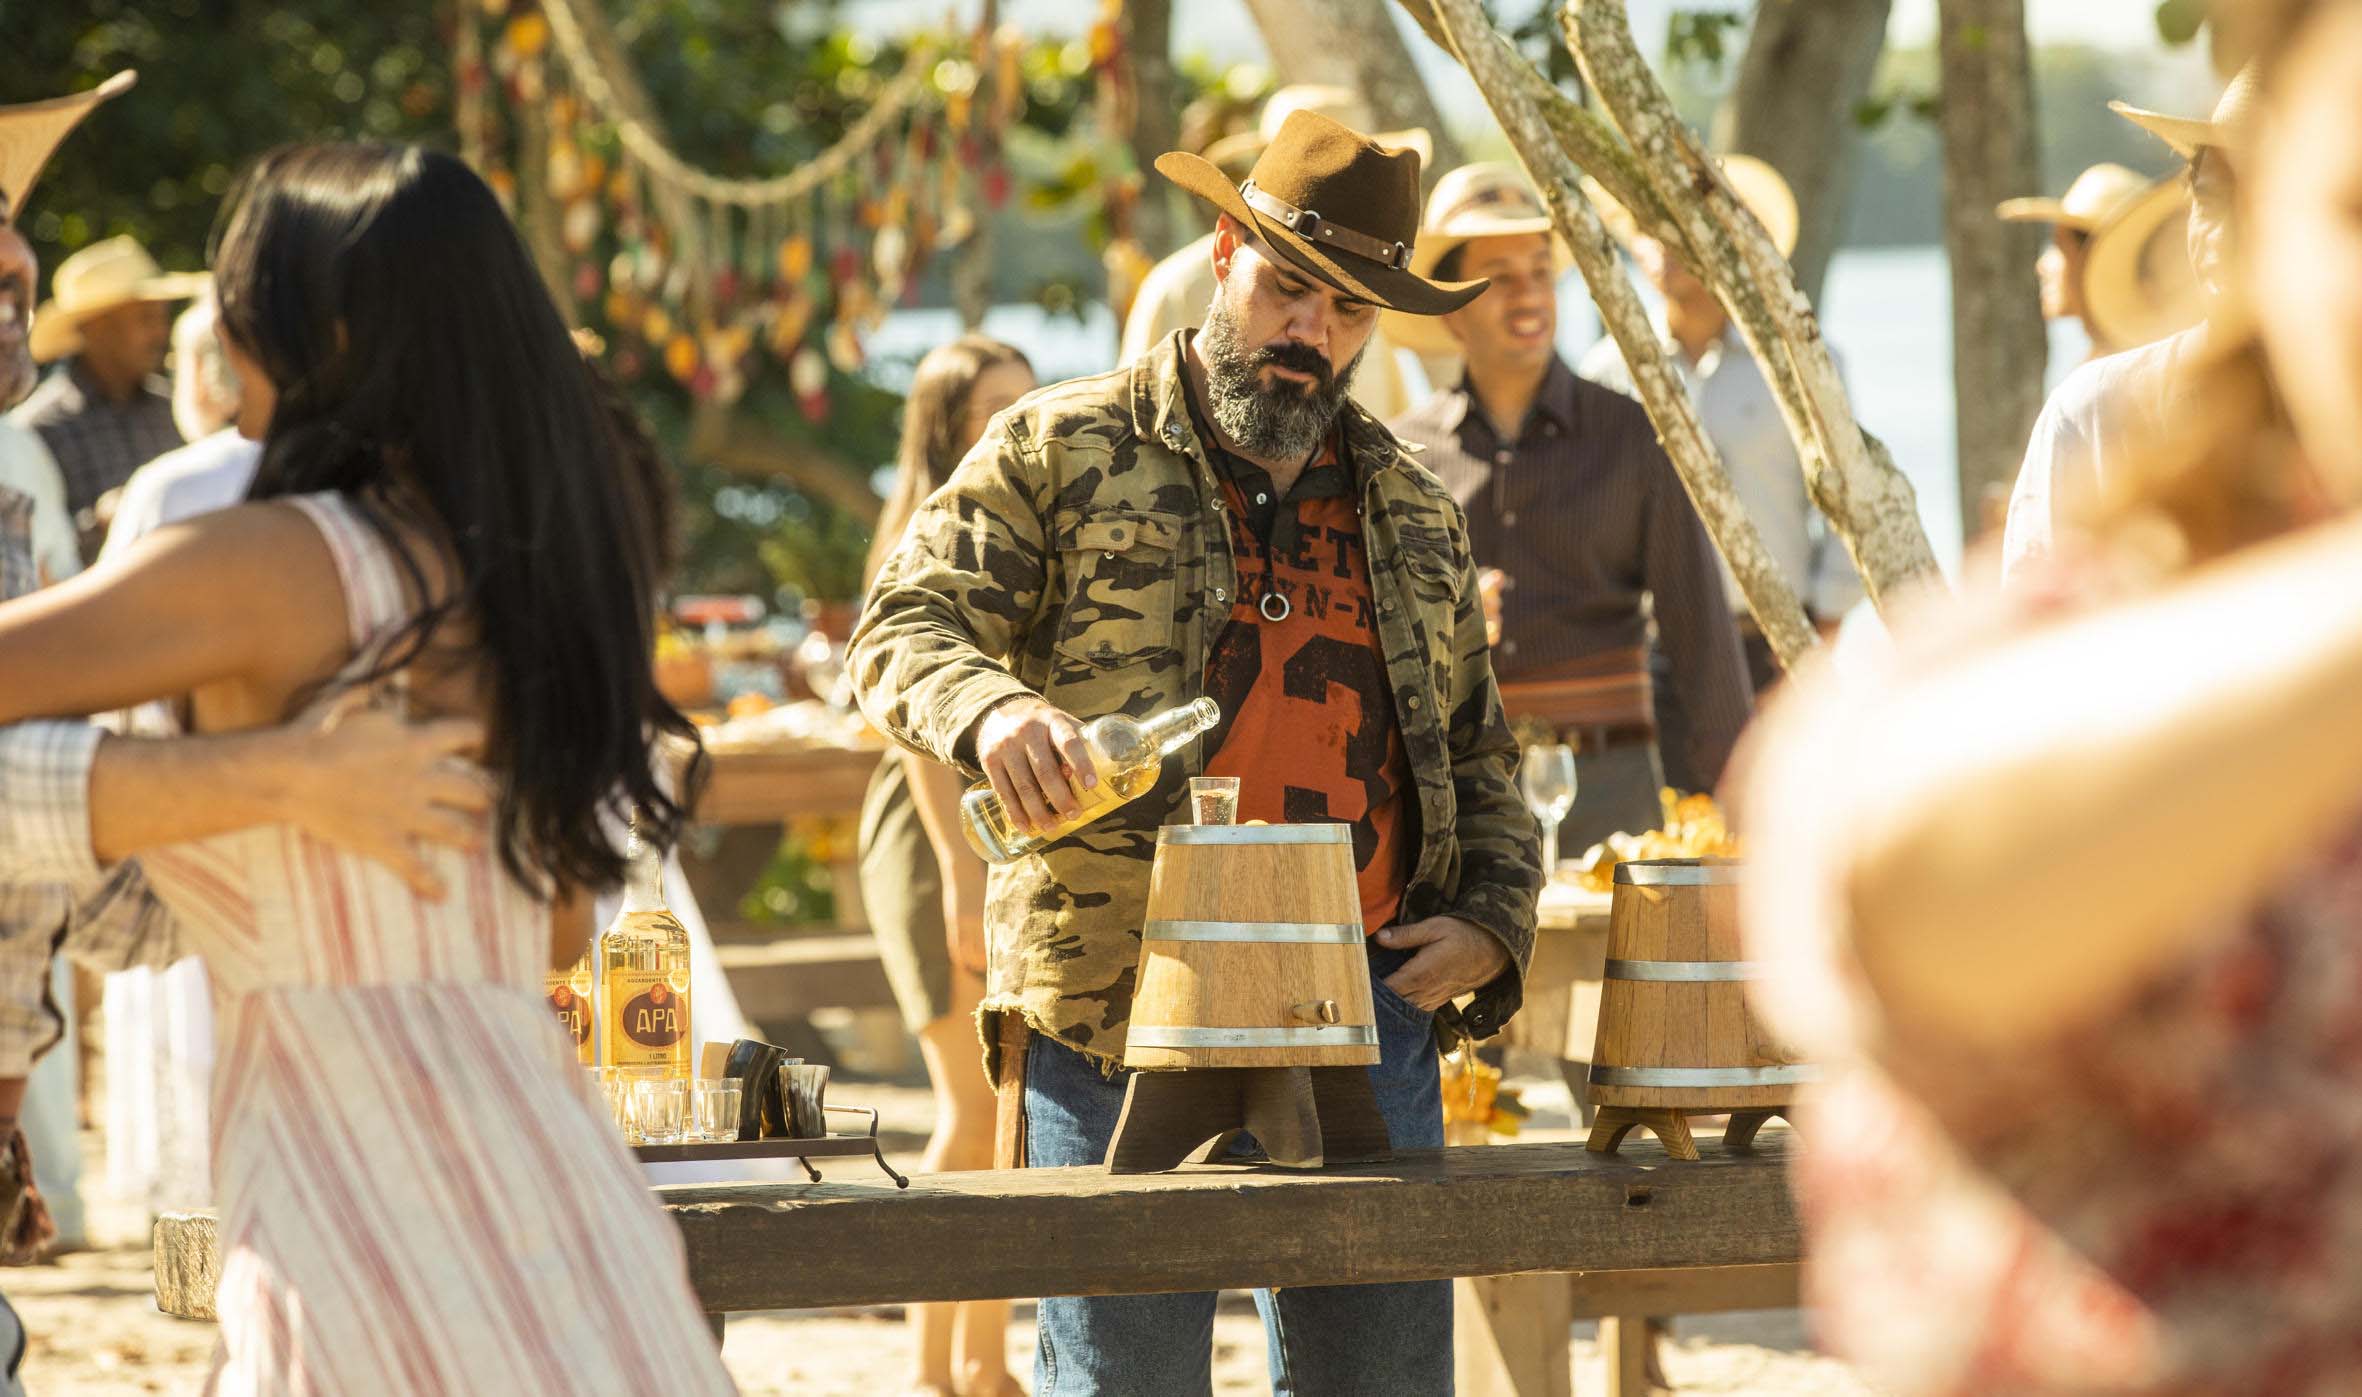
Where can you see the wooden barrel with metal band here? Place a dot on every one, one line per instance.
(1674, 1027)
(1252, 955)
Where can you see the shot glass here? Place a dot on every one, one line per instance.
(660, 1106)
(1213, 800)
(718, 1100)
(803, 1086)
(615, 1087)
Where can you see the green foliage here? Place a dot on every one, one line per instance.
(220, 81)
(1540, 39)
(1697, 36)
(2180, 21)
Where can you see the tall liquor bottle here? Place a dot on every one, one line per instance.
(569, 992)
(644, 973)
(1128, 753)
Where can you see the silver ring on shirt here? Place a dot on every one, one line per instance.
(1274, 607)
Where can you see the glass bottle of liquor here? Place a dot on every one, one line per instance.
(1128, 752)
(644, 974)
(568, 989)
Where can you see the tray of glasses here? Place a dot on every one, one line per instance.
(801, 1148)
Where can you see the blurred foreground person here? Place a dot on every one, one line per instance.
(2067, 899)
(923, 886)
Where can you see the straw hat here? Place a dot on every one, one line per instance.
(2226, 129)
(1336, 204)
(100, 278)
(1487, 200)
(1758, 186)
(2095, 196)
(2137, 283)
(1235, 154)
(29, 131)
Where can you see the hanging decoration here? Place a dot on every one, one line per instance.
(710, 280)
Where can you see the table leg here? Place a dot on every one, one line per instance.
(716, 1322)
(1511, 1338)
(1629, 1344)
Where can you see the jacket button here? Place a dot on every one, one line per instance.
(1116, 533)
(1413, 703)
(1220, 595)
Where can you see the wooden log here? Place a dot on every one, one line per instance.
(1426, 1215)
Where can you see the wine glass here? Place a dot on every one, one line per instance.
(1546, 778)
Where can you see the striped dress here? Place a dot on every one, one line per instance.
(419, 1190)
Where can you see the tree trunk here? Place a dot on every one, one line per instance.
(1809, 64)
(1353, 44)
(1156, 126)
(1998, 345)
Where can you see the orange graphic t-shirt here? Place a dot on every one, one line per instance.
(1307, 716)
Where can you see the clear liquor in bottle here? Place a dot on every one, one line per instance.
(570, 999)
(644, 974)
(1128, 752)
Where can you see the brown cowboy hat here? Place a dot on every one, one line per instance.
(1337, 205)
(29, 131)
(1236, 154)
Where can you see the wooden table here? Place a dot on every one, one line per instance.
(1631, 1221)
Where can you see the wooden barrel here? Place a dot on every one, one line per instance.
(1252, 955)
(1674, 1026)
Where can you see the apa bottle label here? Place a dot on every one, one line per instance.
(574, 1016)
(651, 1018)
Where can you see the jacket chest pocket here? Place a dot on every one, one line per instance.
(1122, 586)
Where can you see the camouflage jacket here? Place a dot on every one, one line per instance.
(1080, 553)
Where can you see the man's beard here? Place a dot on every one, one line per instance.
(1278, 421)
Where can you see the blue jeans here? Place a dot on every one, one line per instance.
(1349, 1340)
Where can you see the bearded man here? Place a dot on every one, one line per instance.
(1218, 519)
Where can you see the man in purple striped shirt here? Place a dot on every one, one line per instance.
(1569, 495)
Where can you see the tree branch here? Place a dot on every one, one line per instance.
(1872, 505)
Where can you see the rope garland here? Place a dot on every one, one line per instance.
(663, 163)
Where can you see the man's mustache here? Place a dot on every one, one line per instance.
(1302, 358)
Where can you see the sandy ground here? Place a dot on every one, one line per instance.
(95, 1331)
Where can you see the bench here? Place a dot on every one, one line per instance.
(1639, 1234)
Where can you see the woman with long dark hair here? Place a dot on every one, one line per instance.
(923, 887)
(419, 1191)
